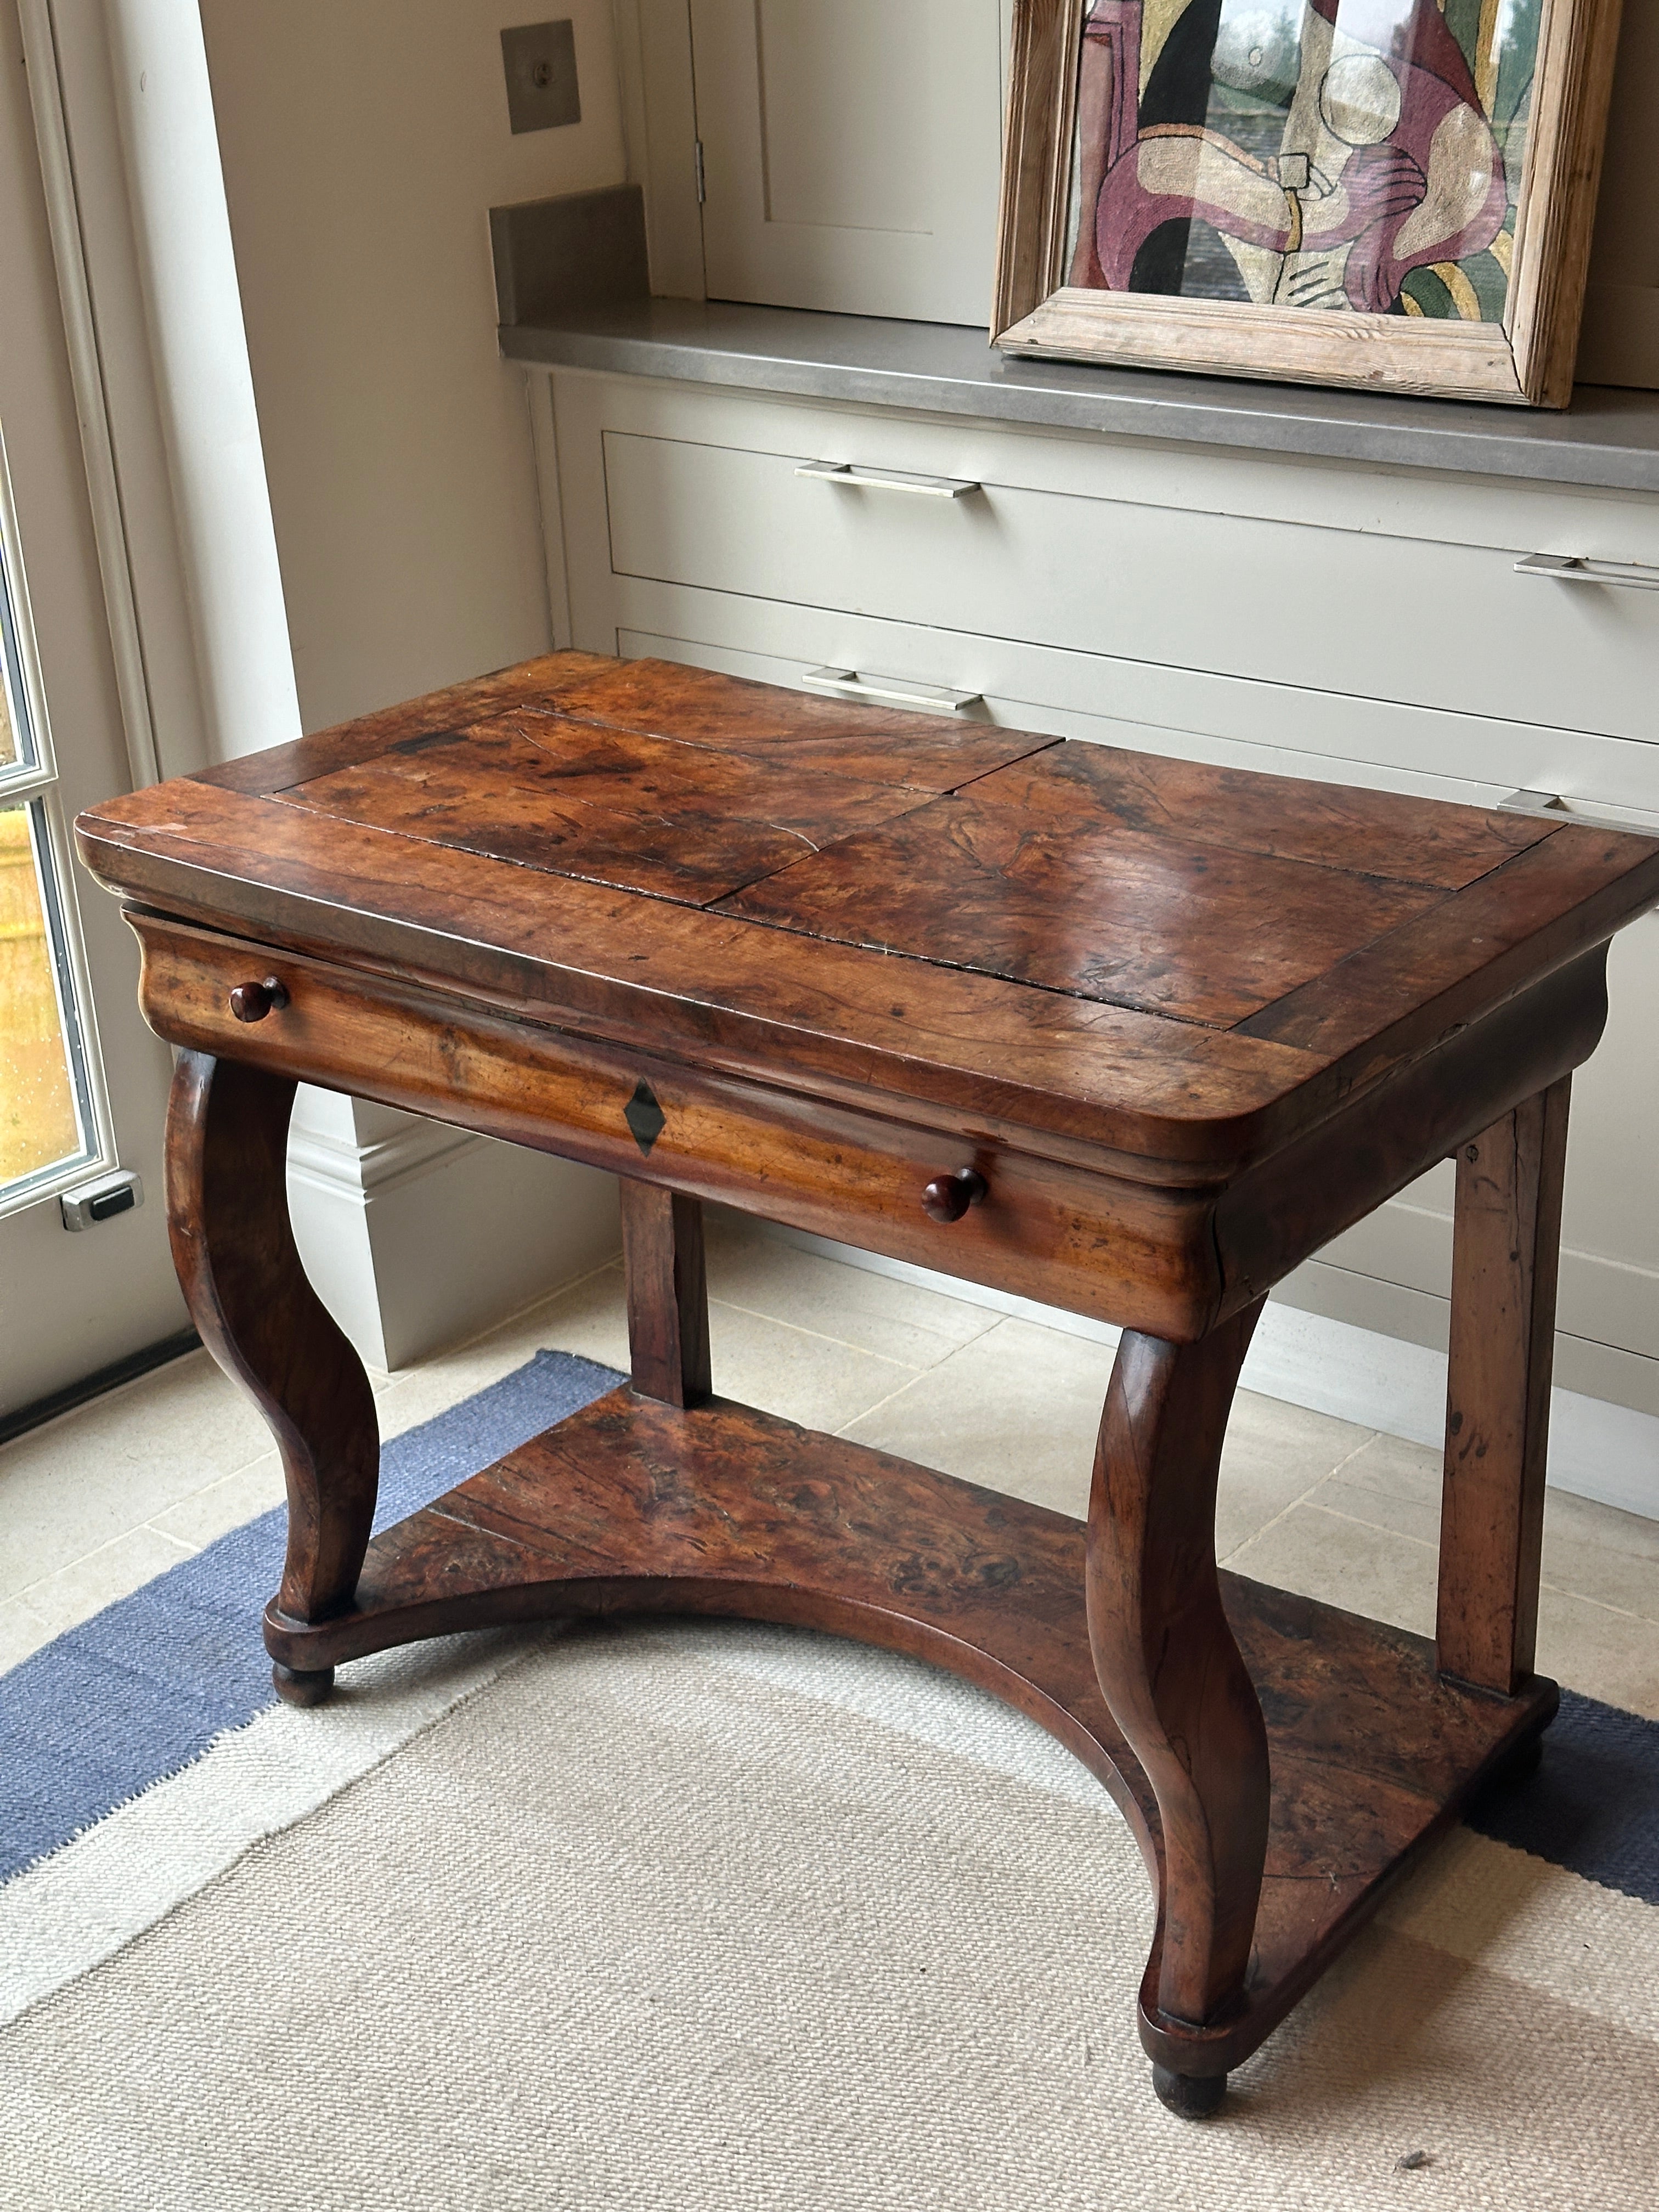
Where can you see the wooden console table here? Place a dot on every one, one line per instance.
(1117, 1032)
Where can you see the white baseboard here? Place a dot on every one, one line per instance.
(1597, 1449)
(417, 1236)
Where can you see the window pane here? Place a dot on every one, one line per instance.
(16, 748)
(43, 1118)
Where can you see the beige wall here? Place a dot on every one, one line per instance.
(363, 142)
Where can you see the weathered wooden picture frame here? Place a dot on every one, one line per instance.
(1401, 167)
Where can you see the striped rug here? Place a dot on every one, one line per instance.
(700, 1915)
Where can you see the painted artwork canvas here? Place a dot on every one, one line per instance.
(1395, 195)
(1363, 157)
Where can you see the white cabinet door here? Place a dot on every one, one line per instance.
(851, 153)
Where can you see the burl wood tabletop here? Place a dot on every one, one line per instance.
(1116, 943)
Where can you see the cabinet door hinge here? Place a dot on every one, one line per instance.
(703, 185)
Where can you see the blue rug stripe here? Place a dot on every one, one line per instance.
(1592, 1805)
(141, 1690)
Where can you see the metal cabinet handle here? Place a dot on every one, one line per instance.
(1578, 568)
(252, 1002)
(930, 698)
(948, 1197)
(849, 472)
(1551, 807)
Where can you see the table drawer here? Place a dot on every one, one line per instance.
(1135, 1253)
(1366, 613)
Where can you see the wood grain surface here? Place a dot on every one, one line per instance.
(1106, 1245)
(630, 1507)
(1506, 1248)
(826, 1018)
(764, 721)
(1324, 1180)
(667, 1293)
(1069, 903)
(640, 813)
(1178, 964)
(1378, 834)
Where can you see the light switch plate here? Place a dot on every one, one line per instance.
(540, 61)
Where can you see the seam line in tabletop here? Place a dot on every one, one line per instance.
(429, 741)
(969, 788)
(121, 837)
(1036, 745)
(241, 777)
(634, 875)
(1434, 897)
(714, 906)
(207, 874)
(1039, 744)
(572, 872)
(714, 909)
(1189, 837)
(1307, 997)
(1189, 834)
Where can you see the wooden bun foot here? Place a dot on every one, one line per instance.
(1521, 1764)
(302, 1689)
(1194, 2096)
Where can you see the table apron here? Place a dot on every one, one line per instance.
(1282, 1209)
(1140, 1256)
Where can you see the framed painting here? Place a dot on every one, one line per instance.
(1392, 194)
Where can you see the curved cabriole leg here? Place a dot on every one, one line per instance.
(1170, 1670)
(226, 1168)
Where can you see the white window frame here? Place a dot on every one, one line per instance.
(31, 780)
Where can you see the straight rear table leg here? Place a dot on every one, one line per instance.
(667, 1293)
(1505, 1249)
(1171, 1671)
(226, 1169)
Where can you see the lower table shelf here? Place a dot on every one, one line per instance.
(631, 1506)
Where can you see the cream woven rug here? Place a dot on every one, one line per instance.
(713, 1917)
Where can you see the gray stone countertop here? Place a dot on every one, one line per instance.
(1608, 440)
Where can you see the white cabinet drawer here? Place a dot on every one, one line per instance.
(1229, 720)
(1363, 613)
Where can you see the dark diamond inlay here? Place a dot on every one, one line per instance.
(645, 1117)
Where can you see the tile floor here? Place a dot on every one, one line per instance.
(108, 1496)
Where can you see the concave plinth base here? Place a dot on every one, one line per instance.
(630, 1506)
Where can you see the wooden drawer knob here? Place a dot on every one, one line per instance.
(948, 1197)
(252, 1002)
